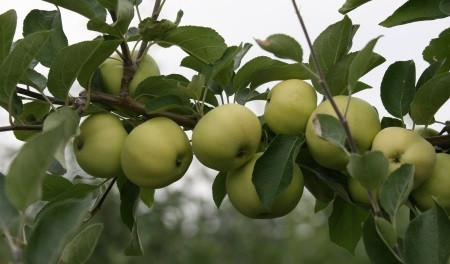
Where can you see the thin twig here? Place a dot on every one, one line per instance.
(99, 203)
(155, 14)
(324, 84)
(21, 127)
(42, 98)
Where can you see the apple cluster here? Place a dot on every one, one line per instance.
(153, 155)
(158, 152)
(399, 145)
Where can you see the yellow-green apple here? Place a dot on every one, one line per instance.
(156, 153)
(289, 106)
(426, 132)
(226, 137)
(98, 145)
(243, 196)
(401, 146)
(112, 71)
(437, 186)
(364, 124)
(358, 193)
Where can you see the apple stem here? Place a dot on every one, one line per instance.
(321, 79)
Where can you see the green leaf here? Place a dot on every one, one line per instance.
(86, 8)
(282, 46)
(33, 113)
(34, 79)
(333, 44)
(321, 191)
(82, 245)
(8, 23)
(108, 4)
(17, 62)
(273, 170)
(219, 188)
(398, 87)
(197, 85)
(429, 73)
(386, 231)
(391, 122)
(280, 72)
(427, 238)
(361, 64)
(438, 50)
(53, 186)
(133, 246)
(222, 69)
(337, 78)
(345, 224)
(444, 6)
(105, 49)
(68, 64)
(333, 179)
(414, 10)
(396, 188)
(162, 85)
(165, 102)
(40, 20)
(25, 174)
(203, 43)
(376, 249)
(16, 105)
(247, 95)
(429, 98)
(330, 128)
(9, 213)
(51, 231)
(124, 14)
(349, 5)
(129, 194)
(261, 70)
(147, 196)
(369, 169)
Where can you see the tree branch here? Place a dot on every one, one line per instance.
(138, 107)
(442, 141)
(128, 67)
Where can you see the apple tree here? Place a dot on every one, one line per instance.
(136, 130)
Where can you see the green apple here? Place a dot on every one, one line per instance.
(289, 106)
(426, 132)
(364, 124)
(112, 71)
(226, 137)
(98, 145)
(401, 146)
(156, 153)
(244, 198)
(358, 193)
(437, 186)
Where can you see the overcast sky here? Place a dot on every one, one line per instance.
(243, 20)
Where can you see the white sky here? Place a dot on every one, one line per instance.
(243, 20)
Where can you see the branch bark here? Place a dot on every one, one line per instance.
(138, 107)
